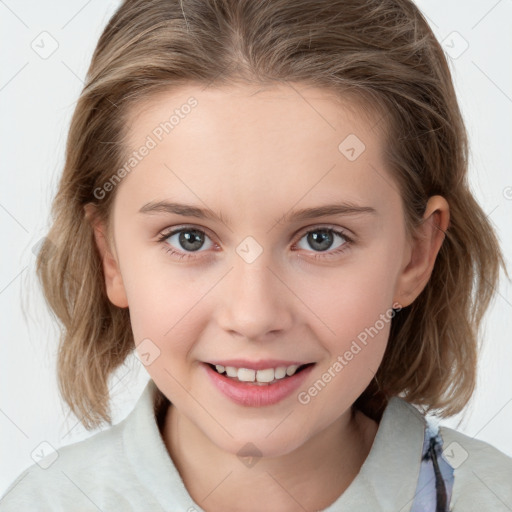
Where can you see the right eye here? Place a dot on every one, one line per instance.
(184, 241)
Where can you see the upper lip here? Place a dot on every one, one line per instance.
(262, 364)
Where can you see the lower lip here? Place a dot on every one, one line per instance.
(253, 395)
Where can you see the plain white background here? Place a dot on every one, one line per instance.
(37, 97)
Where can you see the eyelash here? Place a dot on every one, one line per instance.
(318, 255)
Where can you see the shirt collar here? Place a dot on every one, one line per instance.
(387, 479)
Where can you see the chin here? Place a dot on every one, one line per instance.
(260, 444)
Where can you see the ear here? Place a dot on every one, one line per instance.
(422, 252)
(113, 278)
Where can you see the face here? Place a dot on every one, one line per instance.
(254, 282)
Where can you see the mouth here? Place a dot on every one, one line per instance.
(266, 383)
(261, 377)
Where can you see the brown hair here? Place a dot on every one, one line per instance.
(382, 53)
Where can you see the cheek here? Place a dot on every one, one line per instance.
(165, 325)
(356, 315)
(351, 298)
(361, 330)
(160, 303)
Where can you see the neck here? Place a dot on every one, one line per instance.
(219, 480)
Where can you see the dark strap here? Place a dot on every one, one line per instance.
(435, 481)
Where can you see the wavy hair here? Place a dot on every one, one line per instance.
(383, 54)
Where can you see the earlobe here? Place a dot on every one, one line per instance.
(113, 278)
(423, 251)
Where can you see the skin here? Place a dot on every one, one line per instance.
(254, 155)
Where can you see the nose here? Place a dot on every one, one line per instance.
(256, 303)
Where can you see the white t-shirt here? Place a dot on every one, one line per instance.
(127, 468)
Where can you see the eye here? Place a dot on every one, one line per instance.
(187, 240)
(322, 239)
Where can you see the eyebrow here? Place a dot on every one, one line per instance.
(297, 215)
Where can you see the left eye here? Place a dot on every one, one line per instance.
(322, 239)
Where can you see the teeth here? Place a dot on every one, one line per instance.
(264, 376)
(291, 370)
(231, 371)
(280, 372)
(246, 375)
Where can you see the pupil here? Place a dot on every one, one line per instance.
(192, 237)
(318, 242)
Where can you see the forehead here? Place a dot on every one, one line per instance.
(226, 105)
(285, 143)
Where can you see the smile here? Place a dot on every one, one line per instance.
(263, 376)
(257, 388)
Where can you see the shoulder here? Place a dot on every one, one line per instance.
(123, 468)
(64, 476)
(482, 473)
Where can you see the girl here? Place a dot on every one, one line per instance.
(269, 202)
